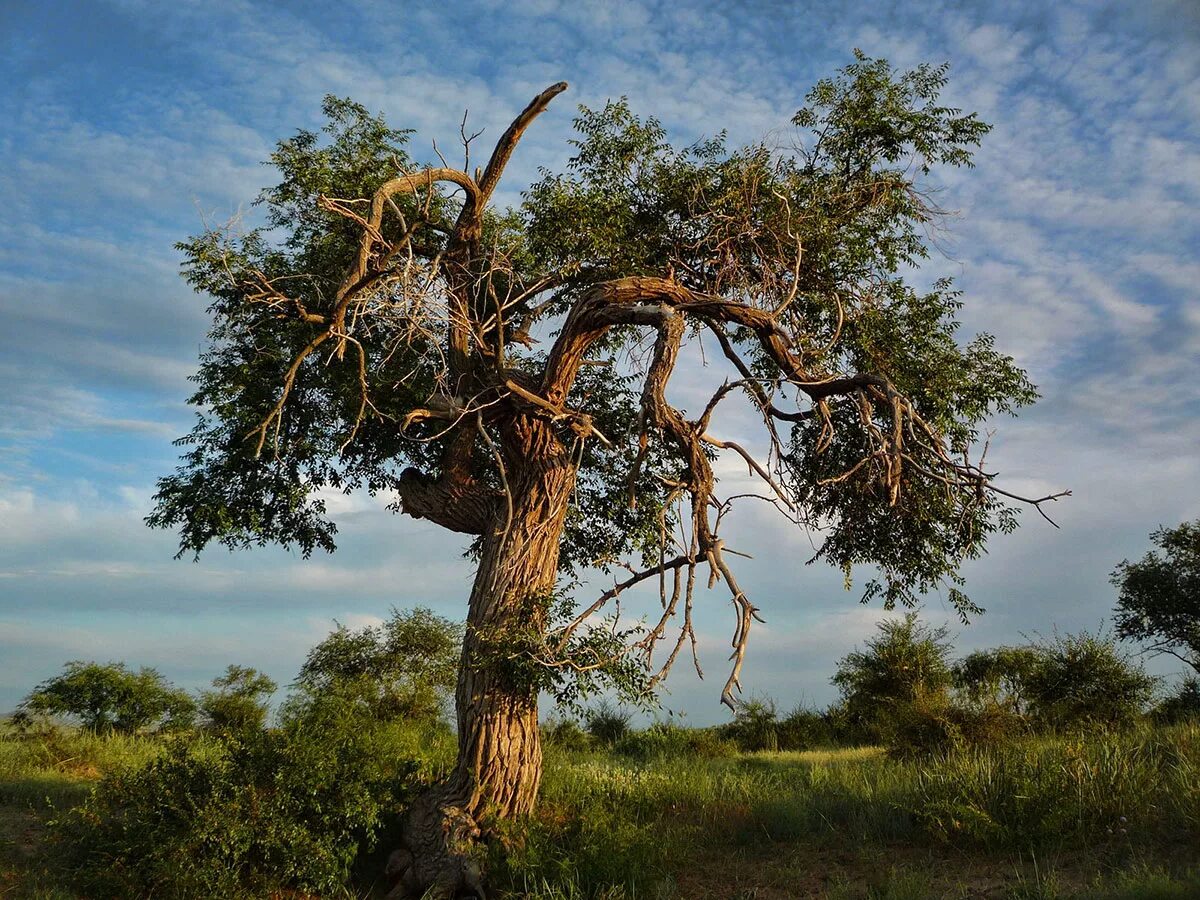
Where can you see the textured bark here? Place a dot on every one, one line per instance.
(499, 749)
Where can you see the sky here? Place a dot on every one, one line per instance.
(128, 125)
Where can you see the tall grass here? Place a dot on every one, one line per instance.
(615, 824)
(638, 825)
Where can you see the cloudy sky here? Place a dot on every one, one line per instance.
(127, 125)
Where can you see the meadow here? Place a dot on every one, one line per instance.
(677, 813)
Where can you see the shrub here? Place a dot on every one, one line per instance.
(607, 723)
(908, 661)
(1182, 705)
(566, 734)
(110, 698)
(248, 815)
(664, 740)
(1084, 679)
(239, 702)
(755, 726)
(405, 668)
(803, 729)
(997, 677)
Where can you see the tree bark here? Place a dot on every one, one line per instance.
(499, 762)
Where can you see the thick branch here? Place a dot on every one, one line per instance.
(466, 507)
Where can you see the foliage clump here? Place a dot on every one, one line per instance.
(238, 702)
(110, 697)
(405, 668)
(1159, 601)
(246, 815)
(1085, 679)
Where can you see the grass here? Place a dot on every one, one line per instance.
(1113, 816)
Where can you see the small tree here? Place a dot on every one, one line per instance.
(405, 668)
(1159, 600)
(239, 702)
(908, 661)
(997, 677)
(1085, 679)
(111, 698)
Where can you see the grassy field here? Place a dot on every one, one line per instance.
(1106, 817)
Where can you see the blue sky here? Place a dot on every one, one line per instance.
(126, 125)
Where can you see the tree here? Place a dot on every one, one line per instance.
(111, 698)
(405, 668)
(1159, 600)
(239, 702)
(908, 662)
(503, 374)
(1085, 679)
(996, 677)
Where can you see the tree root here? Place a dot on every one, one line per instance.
(440, 857)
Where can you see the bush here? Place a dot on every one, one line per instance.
(664, 740)
(239, 702)
(566, 734)
(907, 662)
(110, 698)
(243, 816)
(607, 723)
(1181, 706)
(805, 729)
(996, 678)
(405, 668)
(755, 726)
(1085, 680)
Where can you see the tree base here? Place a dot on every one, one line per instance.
(441, 857)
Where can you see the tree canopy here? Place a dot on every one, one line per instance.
(110, 697)
(387, 329)
(1159, 600)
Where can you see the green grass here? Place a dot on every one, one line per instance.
(1107, 816)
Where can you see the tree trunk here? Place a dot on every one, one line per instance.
(499, 762)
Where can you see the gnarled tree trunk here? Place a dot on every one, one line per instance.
(499, 749)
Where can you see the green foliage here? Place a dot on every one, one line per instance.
(997, 677)
(239, 702)
(1159, 600)
(245, 816)
(907, 662)
(667, 740)
(225, 491)
(834, 227)
(806, 729)
(111, 698)
(1085, 679)
(565, 734)
(405, 668)
(1182, 705)
(755, 725)
(607, 723)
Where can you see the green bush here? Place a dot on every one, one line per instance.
(755, 726)
(607, 723)
(1084, 679)
(110, 698)
(1181, 706)
(566, 734)
(239, 702)
(908, 661)
(664, 740)
(806, 729)
(405, 668)
(246, 815)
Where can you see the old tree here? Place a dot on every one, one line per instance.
(504, 374)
